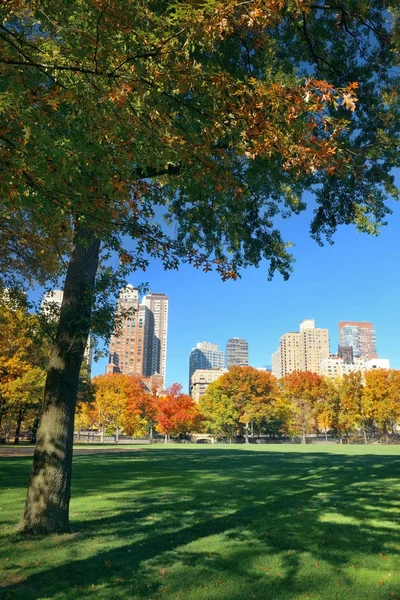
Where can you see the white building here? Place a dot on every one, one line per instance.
(334, 366)
(201, 379)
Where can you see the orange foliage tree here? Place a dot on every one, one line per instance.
(177, 413)
(304, 390)
(140, 409)
(382, 394)
(355, 407)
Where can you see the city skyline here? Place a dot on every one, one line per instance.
(355, 279)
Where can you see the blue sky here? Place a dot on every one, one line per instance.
(355, 279)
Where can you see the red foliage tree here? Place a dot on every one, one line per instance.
(177, 413)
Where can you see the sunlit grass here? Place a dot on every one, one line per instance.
(214, 523)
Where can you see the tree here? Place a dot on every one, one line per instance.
(177, 413)
(382, 394)
(140, 408)
(305, 391)
(24, 353)
(24, 394)
(224, 112)
(355, 410)
(242, 396)
(110, 398)
(219, 411)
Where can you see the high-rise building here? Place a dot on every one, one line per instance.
(314, 346)
(156, 333)
(205, 356)
(301, 351)
(123, 352)
(359, 335)
(139, 346)
(237, 352)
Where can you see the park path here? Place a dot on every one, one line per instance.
(28, 450)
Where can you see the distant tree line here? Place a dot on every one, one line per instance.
(246, 402)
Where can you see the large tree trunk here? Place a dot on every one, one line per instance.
(47, 503)
(20, 418)
(303, 436)
(34, 429)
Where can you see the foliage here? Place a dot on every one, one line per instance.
(24, 353)
(110, 396)
(304, 390)
(219, 412)
(382, 394)
(354, 412)
(140, 409)
(24, 397)
(243, 395)
(224, 102)
(177, 413)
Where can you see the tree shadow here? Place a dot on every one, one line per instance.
(216, 523)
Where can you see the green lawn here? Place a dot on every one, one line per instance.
(214, 522)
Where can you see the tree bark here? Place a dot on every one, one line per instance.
(20, 418)
(34, 429)
(47, 504)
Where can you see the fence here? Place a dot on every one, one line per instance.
(94, 437)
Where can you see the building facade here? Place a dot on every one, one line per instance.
(237, 352)
(156, 334)
(201, 379)
(359, 335)
(314, 346)
(302, 350)
(276, 364)
(335, 366)
(205, 356)
(124, 342)
(139, 344)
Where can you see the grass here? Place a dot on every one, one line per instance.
(213, 523)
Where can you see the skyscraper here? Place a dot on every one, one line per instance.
(237, 352)
(301, 351)
(205, 356)
(140, 344)
(359, 335)
(123, 352)
(156, 334)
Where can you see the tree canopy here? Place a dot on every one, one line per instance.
(224, 112)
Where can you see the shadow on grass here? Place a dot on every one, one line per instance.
(219, 524)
